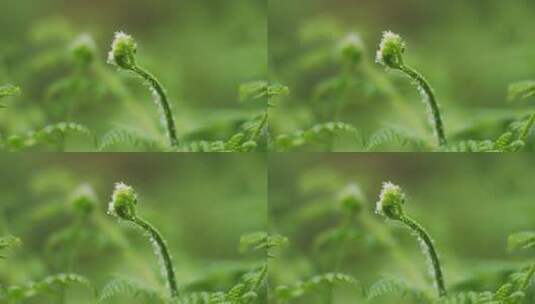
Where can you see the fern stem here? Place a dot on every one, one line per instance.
(429, 250)
(163, 251)
(527, 128)
(163, 102)
(429, 99)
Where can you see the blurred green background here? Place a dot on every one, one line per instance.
(468, 203)
(202, 204)
(200, 50)
(470, 51)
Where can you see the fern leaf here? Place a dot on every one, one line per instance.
(317, 134)
(8, 90)
(129, 288)
(50, 285)
(521, 240)
(7, 242)
(52, 134)
(521, 90)
(261, 89)
(393, 135)
(470, 146)
(314, 284)
(393, 286)
(134, 138)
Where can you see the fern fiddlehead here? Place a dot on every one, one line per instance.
(390, 205)
(123, 206)
(122, 55)
(390, 55)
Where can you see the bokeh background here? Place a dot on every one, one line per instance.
(468, 203)
(470, 51)
(202, 204)
(200, 50)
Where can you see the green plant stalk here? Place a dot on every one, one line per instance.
(430, 99)
(163, 101)
(164, 251)
(527, 128)
(385, 237)
(429, 250)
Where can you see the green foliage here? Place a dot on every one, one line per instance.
(393, 286)
(129, 288)
(51, 135)
(332, 79)
(51, 285)
(7, 242)
(315, 284)
(521, 240)
(8, 90)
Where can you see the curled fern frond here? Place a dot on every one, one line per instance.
(123, 55)
(521, 240)
(391, 205)
(129, 288)
(390, 55)
(123, 206)
(315, 284)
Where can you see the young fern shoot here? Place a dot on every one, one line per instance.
(123, 206)
(123, 55)
(390, 205)
(390, 55)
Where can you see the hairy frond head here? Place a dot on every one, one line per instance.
(123, 202)
(123, 51)
(84, 49)
(84, 199)
(352, 48)
(351, 198)
(391, 49)
(391, 201)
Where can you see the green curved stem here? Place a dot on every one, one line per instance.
(163, 101)
(163, 251)
(429, 250)
(527, 128)
(430, 99)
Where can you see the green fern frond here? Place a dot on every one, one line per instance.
(130, 137)
(468, 297)
(470, 146)
(513, 291)
(254, 90)
(317, 134)
(50, 285)
(521, 90)
(7, 242)
(393, 286)
(129, 288)
(261, 241)
(393, 135)
(52, 135)
(521, 240)
(315, 284)
(8, 90)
